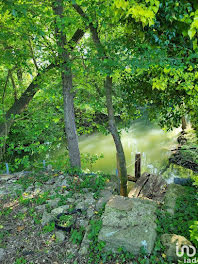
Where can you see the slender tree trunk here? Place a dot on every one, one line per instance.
(69, 115)
(108, 89)
(116, 137)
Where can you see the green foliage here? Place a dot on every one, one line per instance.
(185, 214)
(141, 12)
(49, 227)
(41, 199)
(3, 234)
(194, 233)
(20, 260)
(94, 182)
(6, 211)
(77, 235)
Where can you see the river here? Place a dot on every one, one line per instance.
(152, 142)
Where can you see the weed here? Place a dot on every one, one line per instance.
(77, 235)
(49, 227)
(6, 211)
(20, 260)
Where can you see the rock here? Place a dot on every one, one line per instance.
(24, 210)
(129, 223)
(37, 184)
(60, 178)
(46, 218)
(29, 189)
(173, 192)
(2, 254)
(71, 200)
(41, 207)
(80, 204)
(105, 196)
(183, 181)
(64, 183)
(90, 212)
(60, 210)
(60, 236)
(85, 242)
(82, 222)
(65, 193)
(84, 203)
(85, 190)
(37, 191)
(53, 203)
(169, 241)
(49, 168)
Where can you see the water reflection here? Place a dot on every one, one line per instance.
(153, 143)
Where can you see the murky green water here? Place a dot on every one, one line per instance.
(153, 143)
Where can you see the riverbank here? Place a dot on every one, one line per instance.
(186, 155)
(30, 201)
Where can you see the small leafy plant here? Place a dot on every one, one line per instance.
(49, 227)
(65, 220)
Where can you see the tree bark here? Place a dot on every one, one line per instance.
(108, 90)
(116, 137)
(66, 72)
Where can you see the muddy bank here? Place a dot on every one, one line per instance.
(186, 155)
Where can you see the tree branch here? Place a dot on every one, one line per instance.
(13, 85)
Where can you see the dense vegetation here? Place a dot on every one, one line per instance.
(69, 68)
(120, 57)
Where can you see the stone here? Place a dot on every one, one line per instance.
(60, 210)
(64, 183)
(80, 205)
(169, 241)
(2, 254)
(85, 190)
(24, 210)
(173, 192)
(105, 196)
(41, 207)
(70, 200)
(84, 203)
(60, 236)
(82, 222)
(49, 168)
(129, 223)
(90, 212)
(30, 189)
(53, 203)
(85, 242)
(65, 193)
(46, 218)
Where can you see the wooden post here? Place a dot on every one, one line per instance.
(137, 165)
(184, 123)
(7, 168)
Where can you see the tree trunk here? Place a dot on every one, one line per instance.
(69, 116)
(108, 89)
(116, 137)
